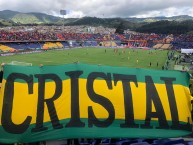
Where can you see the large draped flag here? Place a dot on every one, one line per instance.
(91, 101)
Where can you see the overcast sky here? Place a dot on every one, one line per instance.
(102, 8)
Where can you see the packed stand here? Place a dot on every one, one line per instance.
(91, 36)
(182, 41)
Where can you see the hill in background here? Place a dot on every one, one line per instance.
(28, 18)
(155, 19)
(167, 27)
(175, 25)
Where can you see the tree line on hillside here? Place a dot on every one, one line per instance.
(120, 24)
(167, 27)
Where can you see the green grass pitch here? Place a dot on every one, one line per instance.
(135, 58)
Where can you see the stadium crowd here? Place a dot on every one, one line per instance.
(70, 33)
(86, 33)
(47, 36)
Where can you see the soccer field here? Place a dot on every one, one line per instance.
(136, 58)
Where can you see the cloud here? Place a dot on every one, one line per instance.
(103, 8)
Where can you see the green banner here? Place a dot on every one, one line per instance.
(91, 101)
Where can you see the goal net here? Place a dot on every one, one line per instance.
(20, 63)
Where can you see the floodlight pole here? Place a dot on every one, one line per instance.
(63, 12)
(63, 20)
